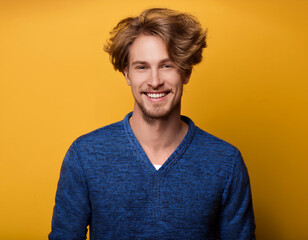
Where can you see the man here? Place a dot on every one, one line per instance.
(154, 175)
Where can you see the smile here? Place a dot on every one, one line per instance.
(156, 95)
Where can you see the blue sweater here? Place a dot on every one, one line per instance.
(107, 182)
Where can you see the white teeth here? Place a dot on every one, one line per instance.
(156, 95)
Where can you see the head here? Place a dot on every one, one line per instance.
(181, 32)
(156, 52)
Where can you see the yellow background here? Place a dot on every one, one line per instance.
(57, 83)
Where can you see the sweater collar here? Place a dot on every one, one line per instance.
(173, 158)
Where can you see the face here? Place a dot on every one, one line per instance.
(155, 80)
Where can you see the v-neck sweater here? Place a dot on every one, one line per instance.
(107, 182)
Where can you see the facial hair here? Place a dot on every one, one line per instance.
(150, 117)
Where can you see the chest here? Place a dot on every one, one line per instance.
(135, 195)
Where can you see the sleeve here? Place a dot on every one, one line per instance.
(236, 220)
(72, 211)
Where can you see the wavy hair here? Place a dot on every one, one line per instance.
(182, 33)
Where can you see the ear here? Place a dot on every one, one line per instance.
(125, 71)
(186, 79)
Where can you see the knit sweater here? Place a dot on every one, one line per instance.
(202, 191)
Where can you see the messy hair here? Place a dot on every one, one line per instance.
(182, 33)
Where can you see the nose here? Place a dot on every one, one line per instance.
(155, 80)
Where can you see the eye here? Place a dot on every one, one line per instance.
(167, 66)
(141, 67)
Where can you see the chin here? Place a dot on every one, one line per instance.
(156, 116)
(158, 113)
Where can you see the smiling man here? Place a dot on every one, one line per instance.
(154, 175)
(155, 80)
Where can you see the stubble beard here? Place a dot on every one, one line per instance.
(155, 114)
(158, 112)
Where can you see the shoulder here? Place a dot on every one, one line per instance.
(103, 139)
(101, 135)
(206, 141)
(216, 152)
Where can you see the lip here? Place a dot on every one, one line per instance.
(156, 96)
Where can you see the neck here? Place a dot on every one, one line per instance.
(158, 134)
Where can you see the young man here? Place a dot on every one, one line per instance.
(154, 175)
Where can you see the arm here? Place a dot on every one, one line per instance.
(236, 217)
(72, 210)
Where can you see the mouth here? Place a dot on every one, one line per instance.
(156, 95)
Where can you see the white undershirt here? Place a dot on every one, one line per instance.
(156, 166)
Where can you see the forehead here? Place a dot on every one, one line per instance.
(148, 48)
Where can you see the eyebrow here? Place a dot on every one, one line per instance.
(144, 62)
(138, 62)
(166, 60)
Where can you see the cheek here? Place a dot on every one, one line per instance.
(176, 80)
(135, 87)
(137, 80)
